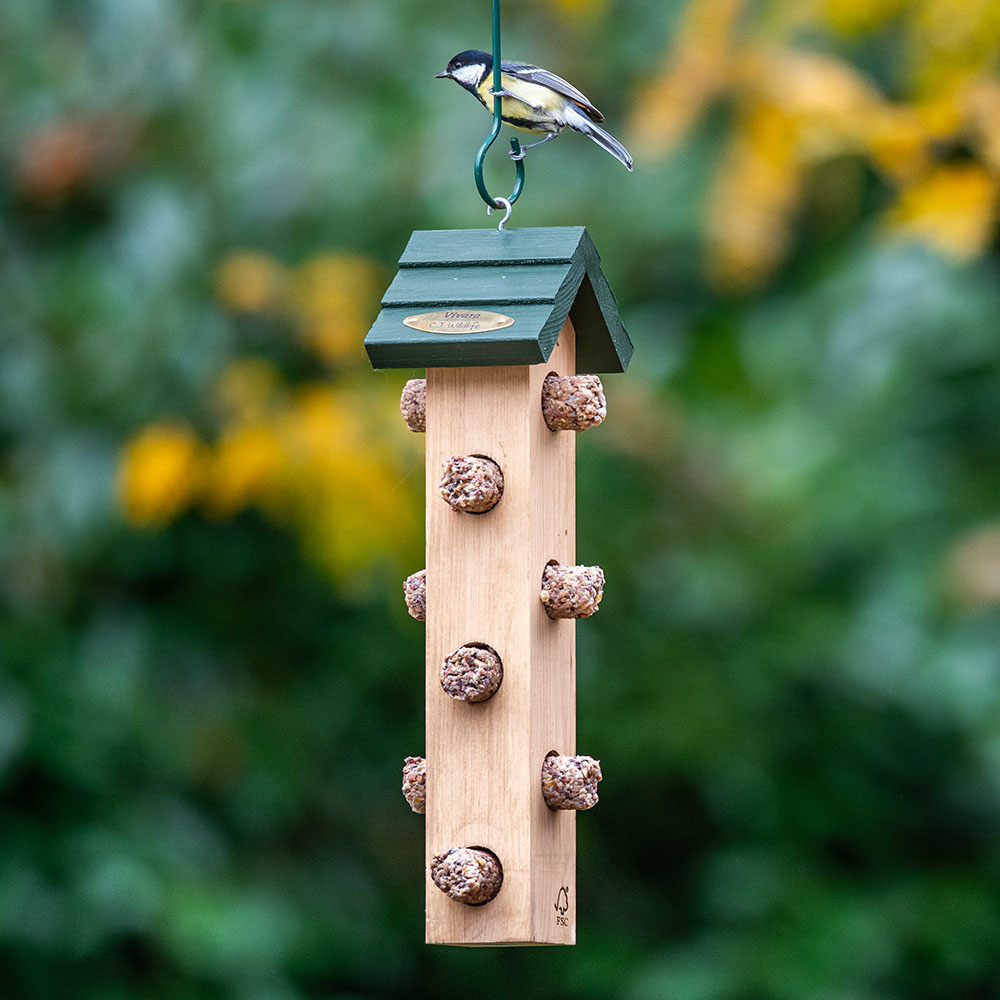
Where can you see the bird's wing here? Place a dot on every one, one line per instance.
(535, 74)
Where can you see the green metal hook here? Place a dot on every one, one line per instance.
(515, 146)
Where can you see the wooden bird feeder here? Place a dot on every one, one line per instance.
(502, 322)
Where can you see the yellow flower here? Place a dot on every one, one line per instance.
(856, 17)
(897, 142)
(952, 208)
(951, 41)
(246, 390)
(251, 282)
(247, 468)
(982, 100)
(159, 474)
(754, 194)
(332, 461)
(793, 110)
(573, 10)
(357, 511)
(344, 489)
(696, 71)
(335, 297)
(318, 422)
(828, 105)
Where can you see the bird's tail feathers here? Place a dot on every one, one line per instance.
(581, 123)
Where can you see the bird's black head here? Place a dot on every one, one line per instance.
(468, 68)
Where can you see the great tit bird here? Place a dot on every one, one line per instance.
(534, 100)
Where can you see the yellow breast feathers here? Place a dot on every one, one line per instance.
(533, 108)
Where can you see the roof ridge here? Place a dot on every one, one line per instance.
(534, 277)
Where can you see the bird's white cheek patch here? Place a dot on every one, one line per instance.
(469, 75)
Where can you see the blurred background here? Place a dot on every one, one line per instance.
(208, 501)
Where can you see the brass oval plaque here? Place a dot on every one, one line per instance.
(458, 321)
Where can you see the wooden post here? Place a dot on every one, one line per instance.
(484, 572)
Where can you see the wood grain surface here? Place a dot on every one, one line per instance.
(483, 580)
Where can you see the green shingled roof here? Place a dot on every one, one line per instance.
(535, 276)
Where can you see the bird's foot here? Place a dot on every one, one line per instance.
(502, 92)
(517, 156)
(531, 145)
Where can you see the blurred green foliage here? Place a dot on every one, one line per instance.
(794, 684)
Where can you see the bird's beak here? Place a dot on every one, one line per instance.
(443, 75)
